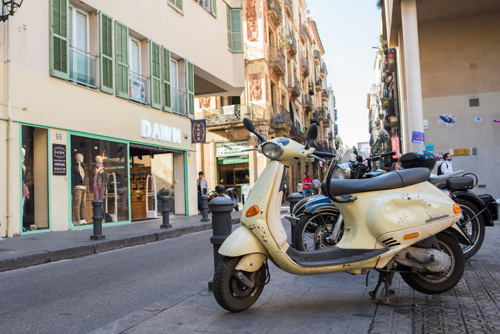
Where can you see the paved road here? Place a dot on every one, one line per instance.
(80, 295)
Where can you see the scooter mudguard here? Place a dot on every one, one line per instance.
(321, 207)
(477, 201)
(242, 242)
(307, 203)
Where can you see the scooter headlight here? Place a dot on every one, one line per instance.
(272, 150)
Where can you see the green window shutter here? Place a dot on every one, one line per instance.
(106, 52)
(59, 39)
(229, 34)
(189, 88)
(214, 8)
(167, 93)
(178, 4)
(236, 38)
(155, 74)
(121, 49)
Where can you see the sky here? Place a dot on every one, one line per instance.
(348, 31)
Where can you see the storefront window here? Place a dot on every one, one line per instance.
(98, 171)
(34, 176)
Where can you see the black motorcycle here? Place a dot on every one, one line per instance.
(221, 191)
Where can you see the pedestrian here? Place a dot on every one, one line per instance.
(316, 186)
(307, 181)
(396, 166)
(446, 166)
(202, 189)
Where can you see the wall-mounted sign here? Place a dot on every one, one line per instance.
(426, 124)
(461, 151)
(231, 160)
(418, 137)
(449, 120)
(429, 148)
(160, 132)
(230, 149)
(59, 159)
(137, 90)
(395, 146)
(198, 131)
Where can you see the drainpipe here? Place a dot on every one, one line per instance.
(9, 141)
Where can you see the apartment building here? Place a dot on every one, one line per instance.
(97, 103)
(285, 90)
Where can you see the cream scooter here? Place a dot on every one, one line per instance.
(397, 222)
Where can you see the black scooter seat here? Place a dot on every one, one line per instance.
(392, 180)
(332, 256)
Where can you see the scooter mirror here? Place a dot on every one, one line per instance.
(355, 151)
(248, 124)
(311, 135)
(383, 136)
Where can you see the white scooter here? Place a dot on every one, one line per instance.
(397, 222)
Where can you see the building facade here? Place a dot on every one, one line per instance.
(97, 103)
(285, 91)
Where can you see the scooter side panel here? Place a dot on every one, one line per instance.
(242, 242)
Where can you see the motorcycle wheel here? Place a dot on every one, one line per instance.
(473, 229)
(310, 234)
(431, 283)
(229, 292)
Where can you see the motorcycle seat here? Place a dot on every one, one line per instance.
(392, 180)
(332, 256)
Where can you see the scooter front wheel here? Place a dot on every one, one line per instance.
(230, 293)
(431, 283)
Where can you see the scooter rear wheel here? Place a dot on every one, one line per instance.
(229, 292)
(432, 284)
(474, 229)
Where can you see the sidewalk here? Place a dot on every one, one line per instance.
(29, 250)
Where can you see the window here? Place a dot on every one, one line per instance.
(137, 82)
(81, 63)
(177, 95)
(177, 4)
(234, 37)
(209, 5)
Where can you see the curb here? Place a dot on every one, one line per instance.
(101, 246)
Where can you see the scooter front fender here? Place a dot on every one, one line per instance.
(242, 242)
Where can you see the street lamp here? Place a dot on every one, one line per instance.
(9, 7)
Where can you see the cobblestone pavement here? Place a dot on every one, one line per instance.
(473, 306)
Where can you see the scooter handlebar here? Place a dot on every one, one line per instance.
(324, 154)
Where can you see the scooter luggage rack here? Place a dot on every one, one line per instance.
(153, 213)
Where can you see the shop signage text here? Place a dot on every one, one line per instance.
(230, 149)
(198, 131)
(160, 132)
(58, 159)
(461, 151)
(395, 146)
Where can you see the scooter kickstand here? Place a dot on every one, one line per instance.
(387, 283)
(381, 278)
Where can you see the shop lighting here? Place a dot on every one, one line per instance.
(9, 7)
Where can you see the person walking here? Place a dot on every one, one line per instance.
(446, 166)
(202, 189)
(307, 181)
(316, 186)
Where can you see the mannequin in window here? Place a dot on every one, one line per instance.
(26, 193)
(79, 190)
(99, 179)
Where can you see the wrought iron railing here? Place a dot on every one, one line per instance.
(289, 6)
(323, 69)
(317, 55)
(305, 65)
(293, 43)
(277, 58)
(315, 117)
(319, 82)
(296, 133)
(273, 5)
(294, 85)
(307, 101)
(81, 67)
(281, 114)
(233, 113)
(320, 112)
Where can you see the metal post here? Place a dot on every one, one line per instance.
(294, 199)
(221, 208)
(204, 208)
(97, 220)
(165, 212)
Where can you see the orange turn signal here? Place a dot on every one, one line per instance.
(411, 236)
(252, 211)
(456, 208)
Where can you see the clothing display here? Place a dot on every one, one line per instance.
(79, 197)
(98, 180)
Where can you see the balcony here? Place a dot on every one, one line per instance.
(305, 67)
(274, 11)
(320, 112)
(281, 119)
(292, 47)
(317, 57)
(289, 8)
(232, 114)
(294, 85)
(302, 33)
(314, 118)
(324, 95)
(307, 102)
(319, 84)
(296, 133)
(178, 102)
(81, 68)
(308, 33)
(277, 60)
(322, 71)
(137, 87)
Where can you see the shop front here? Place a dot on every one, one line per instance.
(233, 169)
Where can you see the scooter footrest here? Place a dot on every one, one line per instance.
(332, 256)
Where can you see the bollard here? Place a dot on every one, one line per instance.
(97, 218)
(293, 199)
(204, 208)
(221, 208)
(165, 212)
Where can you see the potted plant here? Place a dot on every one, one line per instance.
(143, 174)
(138, 194)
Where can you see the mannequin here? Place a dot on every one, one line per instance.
(79, 190)
(98, 179)
(26, 193)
